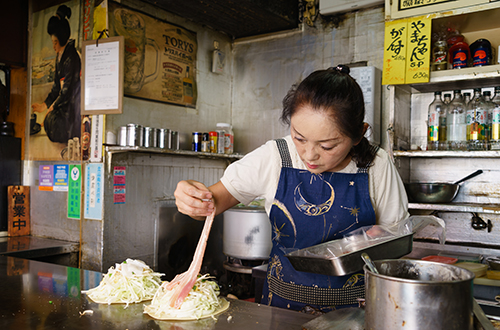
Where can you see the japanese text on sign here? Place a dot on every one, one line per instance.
(418, 50)
(18, 210)
(409, 4)
(395, 52)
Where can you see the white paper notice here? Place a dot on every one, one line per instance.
(102, 76)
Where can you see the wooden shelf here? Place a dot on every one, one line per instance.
(119, 149)
(467, 78)
(478, 208)
(447, 154)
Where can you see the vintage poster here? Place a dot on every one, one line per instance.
(55, 81)
(160, 58)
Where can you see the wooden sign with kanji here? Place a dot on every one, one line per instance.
(19, 210)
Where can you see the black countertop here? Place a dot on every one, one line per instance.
(34, 246)
(39, 295)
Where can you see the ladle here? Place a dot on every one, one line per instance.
(369, 263)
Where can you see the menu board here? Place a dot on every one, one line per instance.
(102, 76)
(160, 58)
(394, 52)
(418, 50)
(407, 49)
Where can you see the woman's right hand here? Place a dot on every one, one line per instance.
(194, 199)
(39, 107)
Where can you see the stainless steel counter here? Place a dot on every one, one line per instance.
(42, 249)
(38, 295)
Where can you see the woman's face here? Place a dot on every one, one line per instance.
(319, 142)
(55, 44)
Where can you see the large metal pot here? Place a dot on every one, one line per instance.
(416, 294)
(422, 192)
(246, 233)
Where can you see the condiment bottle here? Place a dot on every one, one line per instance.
(447, 98)
(481, 52)
(439, 53)
(466, 99)
(476, 121)
(456, 123)
(459, 55)
(436, 138)
(495, 121)
(228, 137)
(489, 113)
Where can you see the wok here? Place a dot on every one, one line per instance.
(421, 192)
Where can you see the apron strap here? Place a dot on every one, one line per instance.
(316, 296)
(286, 160)
(365, 169)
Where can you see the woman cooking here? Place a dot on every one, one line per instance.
(319, 183)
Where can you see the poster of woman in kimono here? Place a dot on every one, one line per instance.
(55, 83)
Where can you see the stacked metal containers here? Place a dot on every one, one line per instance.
(134, 135)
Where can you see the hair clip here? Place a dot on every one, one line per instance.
(342, 68)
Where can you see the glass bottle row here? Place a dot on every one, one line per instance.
(464, 122)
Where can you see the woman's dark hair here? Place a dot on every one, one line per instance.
(58, 25)
(334, 91)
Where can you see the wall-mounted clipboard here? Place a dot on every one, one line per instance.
(102, 76)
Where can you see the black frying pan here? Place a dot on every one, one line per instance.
(421, 192)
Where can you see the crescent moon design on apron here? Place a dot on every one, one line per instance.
(311, 209)
(287, 214)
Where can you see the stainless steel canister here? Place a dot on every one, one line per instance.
(175, 140)
(122, 136)
(164, 138)
(135, 135)
(150, 138)
(416, 294)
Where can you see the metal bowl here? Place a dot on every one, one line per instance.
(494, 263)
(431, 192)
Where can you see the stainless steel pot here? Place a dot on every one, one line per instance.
(246, 233)
(421, 192)
(416, 294)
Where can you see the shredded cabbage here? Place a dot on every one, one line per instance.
(202, 300)
(132, 281)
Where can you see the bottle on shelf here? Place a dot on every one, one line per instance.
(459, 55)
(456, 133)
(466, 99)
(436, 124)
(477, 117)
(447, 98)
(495, 121)
(439, 54)
(489, 113)
(228, 140)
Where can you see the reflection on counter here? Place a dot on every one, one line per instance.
(42, 296)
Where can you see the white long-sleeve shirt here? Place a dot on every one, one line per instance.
(257, 174)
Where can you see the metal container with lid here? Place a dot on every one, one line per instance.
(135, 135)
(416, 294)
(164, 138)
(246, 233)
(150, 137)
(122, 136)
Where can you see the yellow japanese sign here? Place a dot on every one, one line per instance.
(408, 4)
(394, 52)
(418, 50)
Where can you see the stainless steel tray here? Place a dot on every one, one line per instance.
(310, 259)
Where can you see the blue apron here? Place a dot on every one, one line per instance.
(310, 209)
